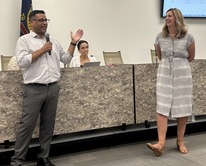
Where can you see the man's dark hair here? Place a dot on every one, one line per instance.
(34, 12)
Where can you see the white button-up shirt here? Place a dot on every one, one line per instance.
(45, 69)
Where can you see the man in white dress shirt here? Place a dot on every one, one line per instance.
(39, 59)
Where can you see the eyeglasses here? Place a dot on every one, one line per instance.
(42, 20)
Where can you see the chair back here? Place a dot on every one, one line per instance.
(112, 57)
(154, 57)
(4, 62)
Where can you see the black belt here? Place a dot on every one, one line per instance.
(39, 84)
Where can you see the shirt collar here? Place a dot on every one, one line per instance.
(34, 35)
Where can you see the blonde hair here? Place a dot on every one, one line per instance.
(180, 25)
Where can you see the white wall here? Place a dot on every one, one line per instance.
(110, 25)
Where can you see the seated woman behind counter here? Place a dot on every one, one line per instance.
(83, 48)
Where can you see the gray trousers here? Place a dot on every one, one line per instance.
(37, 100)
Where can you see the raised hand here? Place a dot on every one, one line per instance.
(75, 37)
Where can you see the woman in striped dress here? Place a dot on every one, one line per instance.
(175, 47)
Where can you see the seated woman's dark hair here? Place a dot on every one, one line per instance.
(80, 42)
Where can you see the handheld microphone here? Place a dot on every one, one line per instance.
(47, 40)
